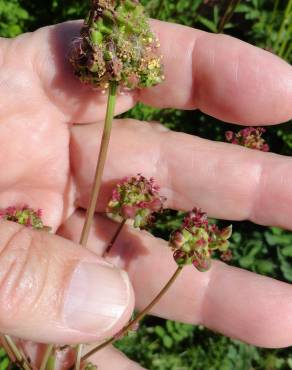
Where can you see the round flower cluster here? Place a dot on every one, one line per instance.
(250, 137)
(116, 44)
(196, 240)
(24, 216)
(136, 198)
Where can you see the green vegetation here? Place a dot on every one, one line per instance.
(165, 345)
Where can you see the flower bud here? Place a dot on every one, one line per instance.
(226, 256)
(177, 239)
(226, 232)
(180, 257)
(202, 265)
(229, 135)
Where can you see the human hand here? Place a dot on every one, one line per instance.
(49, 163)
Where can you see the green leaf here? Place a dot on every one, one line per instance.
(265, 267)
(159, 331)
(285, 266)
(167, 341)
(287, 251)
(211, 26)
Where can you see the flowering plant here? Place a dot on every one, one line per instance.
(24, 216)
(196, 240)
(250, 137)
(136, 198)
(117, 45)
(193, 243)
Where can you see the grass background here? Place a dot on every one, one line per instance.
(160, 344)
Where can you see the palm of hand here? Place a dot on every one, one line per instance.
(35, 141)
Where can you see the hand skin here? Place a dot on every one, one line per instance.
(52, 290)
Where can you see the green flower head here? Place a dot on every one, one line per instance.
(116, 44)
(196, 240)
(136, 198)
(25, 216)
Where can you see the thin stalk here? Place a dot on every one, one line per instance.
(160, 7)
(114, 238)
(19, 357)
(5, 345)
(139, 316)
(51, 363)
(78, 356)
(288, 20)
(227, 15)
(46, 357)
(111, 103)
(283, 46)
(282, 27)
(276, 5)
(112, 94)
(288, 52)
(271, 24)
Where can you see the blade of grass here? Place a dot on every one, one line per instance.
(227, 15)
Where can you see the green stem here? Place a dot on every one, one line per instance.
(284, 45)
(8, 351)
(21, 360)
(288, 52)
(270, 26)
(139, 316)
(114, 238)
(227, 15)
(51, 363)
(78, 356)
(100, 163)
(46, 357)
(276, 5)
(279, 45)
(111, 103)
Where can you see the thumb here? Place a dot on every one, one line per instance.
(52, 290)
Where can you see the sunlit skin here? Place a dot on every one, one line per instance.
(49, 130)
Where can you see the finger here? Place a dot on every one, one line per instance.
(222, 76)
(52, 290)
(225, 180)
(108, 358)
(217, 74)
(235, 302)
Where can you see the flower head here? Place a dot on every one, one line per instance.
(250, 137)
(24, 216)
(136, 198)
(116, 44)
(196, 240)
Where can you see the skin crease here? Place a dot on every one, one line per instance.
(48, 163)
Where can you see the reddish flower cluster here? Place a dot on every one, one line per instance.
(250, 137)
(24, 216)
(136, 198)
(196, 240)
(117, 45)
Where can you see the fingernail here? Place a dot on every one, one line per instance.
(96, 298)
